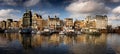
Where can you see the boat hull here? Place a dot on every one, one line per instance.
(46, 33)
(25, 31)
(2, 30)
(94, 33)
(70, 33)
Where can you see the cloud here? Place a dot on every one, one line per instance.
(88, 7)
(26, 3)
(114, 18)
(115, 14)
(31, 3)
(8, 13)
(115, 1)
(8, 2)
(116, 10)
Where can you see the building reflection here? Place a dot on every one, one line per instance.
(3, 40)
(86, 44)
(37, 40)
(82, 44)
(55, 39)
(27, 41)
(114, 42)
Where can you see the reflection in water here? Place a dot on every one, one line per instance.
(59, 44)
(114, 42)
(26, 41)
(89, 45)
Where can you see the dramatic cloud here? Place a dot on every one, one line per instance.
(8, 13)
(115, 14)
(115, 0)
(26, 3)
(116, 10)
(88, 7)
(31, 3)
(8, 2)
(114, 17)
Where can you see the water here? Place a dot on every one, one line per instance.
(59, 44)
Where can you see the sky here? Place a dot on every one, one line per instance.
(76, 9)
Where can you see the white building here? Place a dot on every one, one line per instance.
(101, 22)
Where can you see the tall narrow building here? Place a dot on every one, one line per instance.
(69, 22)
(37, 21)
(27, 19)
(9, 23)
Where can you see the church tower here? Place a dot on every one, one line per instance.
(27, 19)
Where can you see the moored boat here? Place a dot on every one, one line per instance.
(38, 32)
(78, 32)
(26, 31)
(61, 33)
(46, 31)
(34, 31)
(11, 31)
(91, 31)
(70, 32)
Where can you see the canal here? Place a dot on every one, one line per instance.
(14, 43)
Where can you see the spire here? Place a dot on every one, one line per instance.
(55, 16)
(48, 16)
(28, 10)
